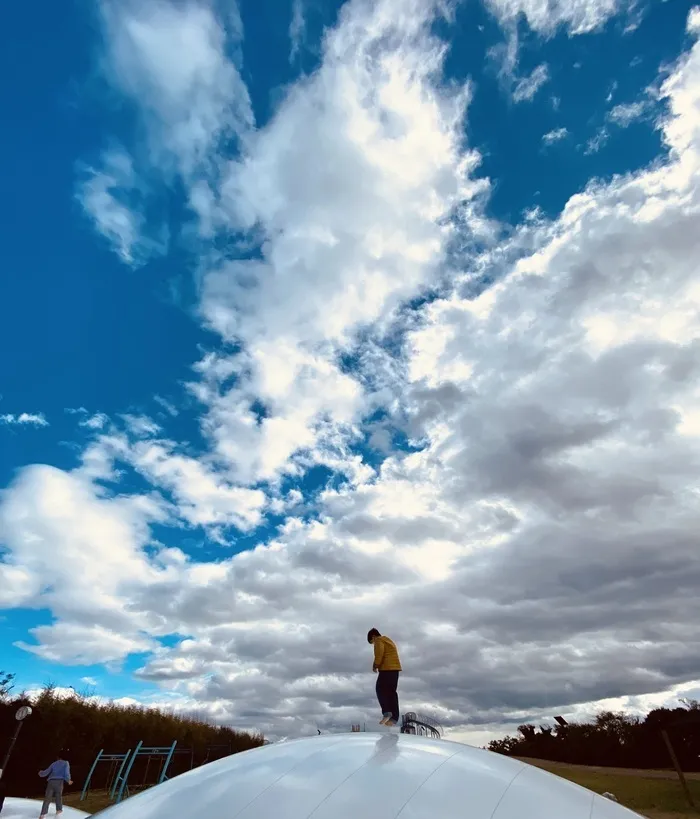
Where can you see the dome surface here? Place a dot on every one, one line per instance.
(367, 776)
(16, 808)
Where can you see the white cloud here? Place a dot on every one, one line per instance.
(141, 425)
(169, 407)
(96, 421)
(356, 186)
(555, 135)
(693, 25)
(546, 410)
(179, 65)
(545, 16)
(47, 513)
(89, 681)
(625, 114)
(297, 28)
(506, 56)
(541, 541)
(203, 497)
(78, 644)
(24, 419)
(171, 60)
(597, 141)
(111, 197)
(526, 88)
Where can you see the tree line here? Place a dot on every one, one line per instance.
(614, 740)
(82, 726)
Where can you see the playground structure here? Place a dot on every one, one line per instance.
(121, 767)
(215, 752)
(420, 725)
(115, 775)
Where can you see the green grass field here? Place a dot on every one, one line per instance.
(95, 801)
(655, 794)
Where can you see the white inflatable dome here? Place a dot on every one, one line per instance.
(16, 808)
(367, 776)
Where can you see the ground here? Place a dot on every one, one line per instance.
(96, 801)
(655, 794)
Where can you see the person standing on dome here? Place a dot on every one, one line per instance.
(57, 774)
(387, 666)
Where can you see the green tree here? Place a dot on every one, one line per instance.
(6, 684)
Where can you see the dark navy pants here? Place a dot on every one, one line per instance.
(387, 693)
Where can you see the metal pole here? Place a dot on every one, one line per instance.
(118, 777)
(123, 785)
(9, 750)
(678, 768)
(89, 776)
(163, 773)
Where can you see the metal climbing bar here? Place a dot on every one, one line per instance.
(86, 786)
(119, 776)
(103, 757)
(141, 750)
(123, 786)
(163, 773)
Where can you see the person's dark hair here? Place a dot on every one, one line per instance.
(371, 634)
(62, 753)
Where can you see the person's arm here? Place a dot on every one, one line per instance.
(68, 779)
(46, 771)
(378, 653)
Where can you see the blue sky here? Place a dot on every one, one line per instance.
(319, 278)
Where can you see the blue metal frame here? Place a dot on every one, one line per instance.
(122, 785)
(167, 752)
(89, 776)
(118, 778)
(103, 757)
(168, 759)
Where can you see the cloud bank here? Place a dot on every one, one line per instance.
(517, 502)
(34, 419)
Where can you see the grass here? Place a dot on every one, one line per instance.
(94, 802)
(656, 794)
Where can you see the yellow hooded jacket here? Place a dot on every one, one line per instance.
(386, 655)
